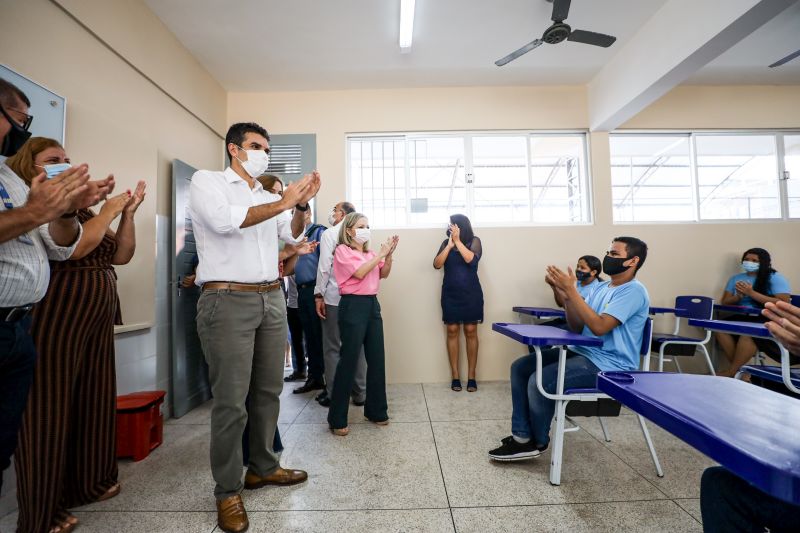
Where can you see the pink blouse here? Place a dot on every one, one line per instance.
(346, 261)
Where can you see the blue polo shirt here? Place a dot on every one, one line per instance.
(628, 303)
(586, 290)
(778, 284)
(305, 270)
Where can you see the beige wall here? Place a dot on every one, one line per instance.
(118, 121)
(689, 258)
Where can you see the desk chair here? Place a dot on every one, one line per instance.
(700, 307)
(563, 397)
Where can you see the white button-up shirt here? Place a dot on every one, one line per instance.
(218, 204)
(326, 281)
(24, 269)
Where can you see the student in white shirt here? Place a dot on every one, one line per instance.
(241, 313)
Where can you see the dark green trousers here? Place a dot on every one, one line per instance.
(360, 324)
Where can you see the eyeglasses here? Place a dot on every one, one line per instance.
(25, 123)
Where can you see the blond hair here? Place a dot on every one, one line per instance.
(350, 220)
(23, 163)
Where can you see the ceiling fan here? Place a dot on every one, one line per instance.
(558, 32)
(786, 59)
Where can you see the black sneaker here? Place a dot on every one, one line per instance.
(295, 376)
(512, 450)
(309, 386)
(321, 395)
(325, 402)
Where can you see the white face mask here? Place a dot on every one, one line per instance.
(362, 235)
(332, 219)
(256, 164)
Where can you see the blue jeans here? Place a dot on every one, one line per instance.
(17, 357)
(729, 503)
(532, 413)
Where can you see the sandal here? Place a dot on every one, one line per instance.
(379, 422)
(472, 385)
(456, 385)
(340, 432)
(66, 523)
(110, 493)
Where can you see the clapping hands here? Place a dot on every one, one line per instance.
(388, 247)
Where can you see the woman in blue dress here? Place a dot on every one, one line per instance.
(462, 296)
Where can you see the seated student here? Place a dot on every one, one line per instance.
(616, 312)
(587, 272)
(756, 286)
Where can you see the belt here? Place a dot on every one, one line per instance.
(242, 287)
(305, 285)
(15, 314)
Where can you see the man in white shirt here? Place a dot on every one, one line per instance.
(241, 313)
(36, 224)
(326, 297)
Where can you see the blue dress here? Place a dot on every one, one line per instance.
(462, 296)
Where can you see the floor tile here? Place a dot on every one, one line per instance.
(411, 521)
(691, 506)
(389, 467)
(590, 472)
(406, 404)
(682, 464)
(8, 523)
(199, 415)
(152, 522)
(492, 401)
(650, 516)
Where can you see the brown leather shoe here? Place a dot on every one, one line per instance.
(231, 516)
(281, 476)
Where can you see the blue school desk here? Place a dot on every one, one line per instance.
(749, 430)
(752, 329)
(540, 312)
(738, 309)
(535, 335)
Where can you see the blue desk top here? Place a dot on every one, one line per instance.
(540, 312)
(752, 329)
(749, 430)
(534, 335)
(739, 309)
(664, 310)
(771, 373)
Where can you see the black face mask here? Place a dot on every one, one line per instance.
(582, 275)
(613, 265)
(15, 138)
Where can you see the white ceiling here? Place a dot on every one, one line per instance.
(275, 45)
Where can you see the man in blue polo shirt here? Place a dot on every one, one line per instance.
(616, 312)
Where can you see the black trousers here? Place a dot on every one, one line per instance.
(360, 324)
(298, 346)
(729, 503)
(312, 329)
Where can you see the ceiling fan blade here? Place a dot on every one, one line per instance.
(590, 37)
(785, 59)
(560, 10)
(515, 54)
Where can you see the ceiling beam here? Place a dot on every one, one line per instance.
(680, 38)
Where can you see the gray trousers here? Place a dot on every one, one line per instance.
(243, 336)
(330, 347)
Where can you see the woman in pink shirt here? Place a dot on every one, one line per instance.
(358, 272)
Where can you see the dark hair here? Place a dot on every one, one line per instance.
(635, 248)
(268, 181)
(347, 208)
(464, 227)
(9, 92)
(765, 269)
(237, 132)
(593, 264)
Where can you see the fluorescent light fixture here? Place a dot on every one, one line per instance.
(406, 22)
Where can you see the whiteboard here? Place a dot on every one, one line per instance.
(49, 110)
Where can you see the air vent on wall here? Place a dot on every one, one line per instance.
(285, 158)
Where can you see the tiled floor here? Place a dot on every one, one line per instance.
(427, 471)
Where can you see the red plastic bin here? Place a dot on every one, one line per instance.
(140, 425)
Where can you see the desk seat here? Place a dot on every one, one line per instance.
(770, 373)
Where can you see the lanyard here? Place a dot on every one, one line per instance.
(6, 198)
(9, 205)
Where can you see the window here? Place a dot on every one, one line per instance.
(419, 180)
(703, 176)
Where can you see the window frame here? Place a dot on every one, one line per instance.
(780, 168)
(467, 136)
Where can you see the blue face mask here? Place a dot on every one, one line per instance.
(55, 170)
(750, 266)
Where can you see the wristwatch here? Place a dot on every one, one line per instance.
(72, 214)
(301, 208)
